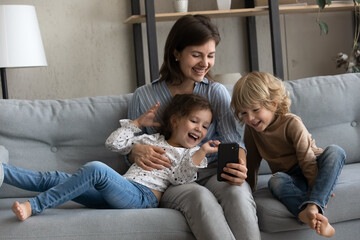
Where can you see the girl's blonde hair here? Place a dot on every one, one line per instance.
(259, 88)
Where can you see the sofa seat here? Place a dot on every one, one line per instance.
(73, 221)
(345, 206)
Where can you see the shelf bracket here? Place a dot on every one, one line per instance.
(152, 41)
(252, 38)
(138, 45)
(276, 39)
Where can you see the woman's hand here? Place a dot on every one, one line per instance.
(149, 157)
(239, 170)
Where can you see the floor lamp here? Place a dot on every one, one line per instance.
(20, 40)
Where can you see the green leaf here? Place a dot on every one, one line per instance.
(358, 1)
(323, 28)
(356, 69)
(321, 3)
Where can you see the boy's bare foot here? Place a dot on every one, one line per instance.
(22, 210)
(323, 226)
(308, 215)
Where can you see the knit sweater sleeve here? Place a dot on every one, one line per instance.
(302, 142)
(253, 158)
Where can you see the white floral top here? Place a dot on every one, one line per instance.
(182, 170)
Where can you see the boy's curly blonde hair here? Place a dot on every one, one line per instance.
(259, 88)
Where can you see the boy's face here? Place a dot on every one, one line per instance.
(258, 117)
(189, 131)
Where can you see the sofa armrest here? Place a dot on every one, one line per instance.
(4, 155)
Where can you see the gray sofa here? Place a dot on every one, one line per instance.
(65, 134)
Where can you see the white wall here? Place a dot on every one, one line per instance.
(90, 50)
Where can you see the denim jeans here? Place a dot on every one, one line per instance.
(94, 185)
(292, 190)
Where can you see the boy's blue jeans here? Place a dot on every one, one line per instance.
(292, 190)
(94, 185)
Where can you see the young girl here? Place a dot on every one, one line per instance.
(97, 185)
(304, 175)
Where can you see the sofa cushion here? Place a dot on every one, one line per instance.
(4, 155)
(329, 108)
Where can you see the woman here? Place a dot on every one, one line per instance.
(189, 55)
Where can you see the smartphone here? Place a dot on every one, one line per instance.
(227, 153)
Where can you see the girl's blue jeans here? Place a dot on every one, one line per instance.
(292, 190)
(94, 185)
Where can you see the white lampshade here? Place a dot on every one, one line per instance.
(20, 39)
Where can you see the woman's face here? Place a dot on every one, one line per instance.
(196, 61)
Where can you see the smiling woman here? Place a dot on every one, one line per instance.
(189, 55)
(194, 63)
(202, 32)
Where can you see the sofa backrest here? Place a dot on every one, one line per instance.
(330, 108)
(63, 135)
(60, 134)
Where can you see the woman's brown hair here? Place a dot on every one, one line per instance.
(189, 30)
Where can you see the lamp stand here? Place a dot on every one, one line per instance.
(4, 83)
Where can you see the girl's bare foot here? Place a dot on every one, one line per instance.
(308, 215)
(323, 226)
(21, 210)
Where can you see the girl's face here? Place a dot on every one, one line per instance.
(196, 61)
(189, 131)
(258, 117)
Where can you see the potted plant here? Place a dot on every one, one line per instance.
(350, 62)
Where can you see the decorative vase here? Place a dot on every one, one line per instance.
(181, 5)
(223, 4)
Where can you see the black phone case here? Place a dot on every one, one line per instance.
(227, 153)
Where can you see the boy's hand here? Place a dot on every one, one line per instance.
(147, 119)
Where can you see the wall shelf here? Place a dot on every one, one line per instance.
(273, 11)
(243, 12)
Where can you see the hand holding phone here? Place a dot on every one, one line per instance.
(227, 153)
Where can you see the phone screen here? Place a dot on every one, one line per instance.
(227, 153)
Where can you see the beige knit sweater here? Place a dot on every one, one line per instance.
(284, 143)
